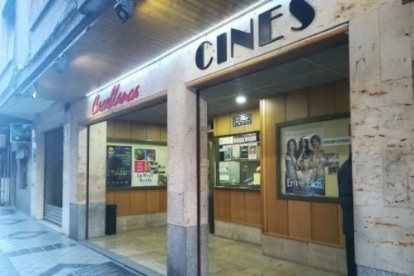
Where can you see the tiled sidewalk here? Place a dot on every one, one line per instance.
(28, 248)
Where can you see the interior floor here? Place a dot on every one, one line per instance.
(148, 247)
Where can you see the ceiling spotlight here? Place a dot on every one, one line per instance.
(240, 99)
(60, 63)
(124, 9)
(34, 95)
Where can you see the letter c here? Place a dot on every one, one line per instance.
(200, 56)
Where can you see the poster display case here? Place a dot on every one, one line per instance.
(136, 164)
(239, 161)
(309, 154)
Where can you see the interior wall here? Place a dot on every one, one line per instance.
(235, 206)
(135, 202)
(314, 222)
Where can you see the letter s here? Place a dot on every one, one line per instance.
(303, 12)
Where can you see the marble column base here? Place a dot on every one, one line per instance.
(182, 250)
(368, 271)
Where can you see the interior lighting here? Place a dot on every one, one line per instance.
(34, 95)
(222, 23)
(241, 99)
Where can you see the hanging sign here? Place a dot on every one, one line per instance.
(242, 120)
(20, 133)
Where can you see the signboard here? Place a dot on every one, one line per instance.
(20, 133)
(116, 98)
(242, 120)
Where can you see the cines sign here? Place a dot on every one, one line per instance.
(116, 98)
(300, 9)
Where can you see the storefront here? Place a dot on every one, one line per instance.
(282, 193)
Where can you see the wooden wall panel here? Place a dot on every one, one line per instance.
(299, 219)
(163, 200)
(110, 128)
(110, 198)
(255, 126)
(123, 129)
(322, 100)
(138, 131)
(253, 210)
(222, 204)
(325, 226)
(342, 97)
(340, 227)
(164, 134)
(123, 200)
(138, 202)
(275, 211)
(153, 201)
(153, 133)
(222, 126)
(296, 105)
(237, 206)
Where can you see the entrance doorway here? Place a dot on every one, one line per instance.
(53, 176)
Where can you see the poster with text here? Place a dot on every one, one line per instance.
(140, 154)
(151, 168)
(310, 155)
(140, 166)
(304, 162)
(118, 166)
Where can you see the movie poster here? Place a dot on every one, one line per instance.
(118, 166)
(304, 162)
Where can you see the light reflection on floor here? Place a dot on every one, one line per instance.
(148, 247)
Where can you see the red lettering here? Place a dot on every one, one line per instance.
(116, 98)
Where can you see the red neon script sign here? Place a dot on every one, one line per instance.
(116, 98)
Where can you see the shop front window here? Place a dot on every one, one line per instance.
(239, 161)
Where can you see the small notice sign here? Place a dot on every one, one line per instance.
(242, 120)
(340, 141)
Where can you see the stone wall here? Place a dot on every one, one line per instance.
(383, 135)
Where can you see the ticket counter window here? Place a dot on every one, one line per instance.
(239, 161)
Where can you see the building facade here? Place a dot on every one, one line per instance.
(380, 39)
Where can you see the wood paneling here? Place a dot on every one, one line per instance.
(253, 210)
(342, 97)
(111, 128)
(237, 207)
(222, 125)
(110, 198)
(275, 211)
(163, 200)
(138, 202)
(123, 202)
(340, 227)
(255, 126)
(222, 204)
(138, 131)
(152, 201)
(164, 134)
(134, 202)
(123, 129)
(153, 133)
(322, 100)
(301, 220)
(325, 222)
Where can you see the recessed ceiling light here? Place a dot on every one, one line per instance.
(241, 99)
(34, 95)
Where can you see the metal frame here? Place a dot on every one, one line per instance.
(279, 127)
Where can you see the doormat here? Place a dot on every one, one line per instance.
(106, 269)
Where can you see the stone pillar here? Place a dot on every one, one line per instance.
(383, 138)
(182, 183)
(37, 179)
(97, 180)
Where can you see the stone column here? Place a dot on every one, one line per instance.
(383, 138)
(37, 179)
(182, 183)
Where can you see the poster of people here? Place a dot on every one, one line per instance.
(118, 166)
(150, 166)
(304, 161)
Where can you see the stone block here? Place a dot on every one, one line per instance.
(346, 10)
(238, 232)
(318, 256)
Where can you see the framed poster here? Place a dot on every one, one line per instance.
(309, 154)
(20, 133)
(118, 166)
